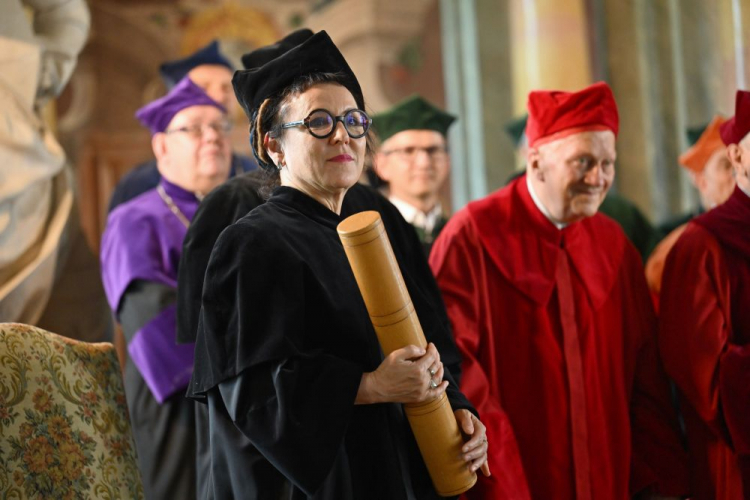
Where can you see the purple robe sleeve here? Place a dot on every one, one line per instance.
(142, 241)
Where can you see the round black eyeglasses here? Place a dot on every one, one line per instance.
(321, 124)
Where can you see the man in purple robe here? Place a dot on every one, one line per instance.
(209, 69)
(141, 248)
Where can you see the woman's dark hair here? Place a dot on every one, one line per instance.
(267, 119)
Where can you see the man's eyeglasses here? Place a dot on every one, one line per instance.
(197, 131)
(321, 124)
(410, 153)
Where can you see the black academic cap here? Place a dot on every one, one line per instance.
(174, 71)
(413, 113)
(516, 129)
(317, 54)
(695, 133)
(263, 55)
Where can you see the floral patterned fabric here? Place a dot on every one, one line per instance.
(64, 428)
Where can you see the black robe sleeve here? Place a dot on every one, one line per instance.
(221, 208)
(245, 471)
(280, 423)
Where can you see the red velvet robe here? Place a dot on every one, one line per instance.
(498, 263)
(705, 343)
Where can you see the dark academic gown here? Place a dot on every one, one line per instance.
(140, 253)
(146, 176)
(705, 344)
(283, 341)
(233, 200)
(221, 208)
(558, 337)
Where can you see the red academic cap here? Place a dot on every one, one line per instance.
(708, 143)
(737, 127)
(554, 114)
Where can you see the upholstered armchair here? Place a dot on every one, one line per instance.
(64, 428)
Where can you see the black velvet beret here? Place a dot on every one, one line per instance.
(316, 54)
(263, 55)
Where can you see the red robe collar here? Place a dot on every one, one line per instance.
(524, 244)
(730, 222)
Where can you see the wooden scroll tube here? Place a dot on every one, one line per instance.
(396, 324)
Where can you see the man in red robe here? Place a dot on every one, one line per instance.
(711, 172)
(705, 328)
(552, 315)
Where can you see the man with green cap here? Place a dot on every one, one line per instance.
(413, 159)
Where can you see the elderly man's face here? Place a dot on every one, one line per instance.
(716, 182)
(216, 81)
(194, 151)
(415, 163)
(571, 176)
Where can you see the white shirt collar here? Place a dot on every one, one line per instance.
(746, 193)
(416, 217)
(541, 207)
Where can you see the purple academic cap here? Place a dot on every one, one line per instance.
(157, 114)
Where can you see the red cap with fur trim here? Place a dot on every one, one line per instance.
(737, 127)
(554, 114)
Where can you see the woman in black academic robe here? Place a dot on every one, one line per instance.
(301, 402)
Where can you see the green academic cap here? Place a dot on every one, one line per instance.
(694, 133)
(413, 113)
(516, 128)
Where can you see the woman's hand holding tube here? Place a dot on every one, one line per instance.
(474, 451)
(407, 375)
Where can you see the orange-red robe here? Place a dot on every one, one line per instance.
(655, 263)
(558, 336)
(705, 343)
